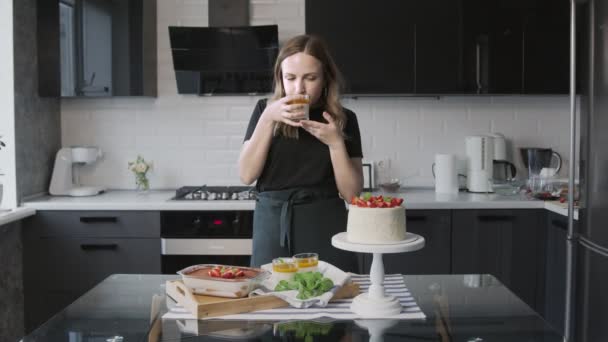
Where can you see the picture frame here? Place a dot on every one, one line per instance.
(368, 176)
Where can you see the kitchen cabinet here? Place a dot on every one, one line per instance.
(92, 48)
(492, 51)
(516, 47)
(447, 46)
(372, 45)
(546, 46)
(68, 252)
(555, 271)
(438, 46)
(508, 244)
(434, 258)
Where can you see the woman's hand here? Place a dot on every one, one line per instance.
(328, 133)
(282, 111)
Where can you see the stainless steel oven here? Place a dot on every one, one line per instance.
(204, 237)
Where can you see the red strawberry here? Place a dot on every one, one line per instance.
(240, 273)
(354, 200)
(215, 273)
(399, 201)
(228, 274)
(373, 205)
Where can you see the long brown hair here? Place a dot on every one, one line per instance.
(330, 95)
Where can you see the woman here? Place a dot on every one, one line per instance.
(302, 167)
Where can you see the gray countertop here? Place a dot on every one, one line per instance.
(11, 215)
(162, 200)
(132, 200)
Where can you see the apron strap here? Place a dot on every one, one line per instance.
(286, 216)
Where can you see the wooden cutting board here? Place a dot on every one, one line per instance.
(208, 306)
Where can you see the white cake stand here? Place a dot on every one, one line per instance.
(375, 303)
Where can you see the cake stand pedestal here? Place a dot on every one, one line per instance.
(375, 303)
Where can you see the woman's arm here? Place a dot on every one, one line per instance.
(348, 172)
(255, 150)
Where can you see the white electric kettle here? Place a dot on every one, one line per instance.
(480, 156)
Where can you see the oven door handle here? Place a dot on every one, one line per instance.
(206, 246)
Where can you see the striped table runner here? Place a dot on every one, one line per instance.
(339, 309)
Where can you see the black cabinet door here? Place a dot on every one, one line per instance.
(492, 46)
(434, 258)
(505, 62)
(546, 44)
(508, 244)
(61, 263)
(515, 47)
(373, 44)
(555, 271)
(438, 47)
(97, 224)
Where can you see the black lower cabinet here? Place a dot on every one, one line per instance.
(555, 271)
(68, 253)
(508, 244)
(434, 258)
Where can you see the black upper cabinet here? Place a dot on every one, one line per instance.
(546, 47)
(516, 47)
(447, 46)
(439, 63)
(504, 67)
(372, 43)
(92, 48)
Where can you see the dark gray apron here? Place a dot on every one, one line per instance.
(287, 222)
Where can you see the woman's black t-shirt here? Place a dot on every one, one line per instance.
(303, 162)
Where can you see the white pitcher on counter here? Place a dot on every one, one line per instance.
(446, 174)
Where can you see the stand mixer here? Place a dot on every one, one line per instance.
(62, 181)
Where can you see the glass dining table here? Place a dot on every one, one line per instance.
(130, 307)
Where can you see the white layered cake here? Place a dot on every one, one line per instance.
(375, 225)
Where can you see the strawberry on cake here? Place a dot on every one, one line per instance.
(376, 220)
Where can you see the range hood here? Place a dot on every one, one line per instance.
(224, 60)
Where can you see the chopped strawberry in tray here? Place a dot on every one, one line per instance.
(226, 272)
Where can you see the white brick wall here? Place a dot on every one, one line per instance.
(196, 140)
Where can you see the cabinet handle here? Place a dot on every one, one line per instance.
(99, 219)
(416, 218)
(99, 247)
(478, 67)
(559, 224)
(495, 218)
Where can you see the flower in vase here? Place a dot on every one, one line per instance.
(140, 168)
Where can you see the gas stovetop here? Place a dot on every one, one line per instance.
(214, 193)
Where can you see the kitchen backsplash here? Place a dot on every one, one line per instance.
(196, 140)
